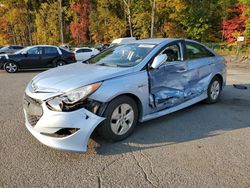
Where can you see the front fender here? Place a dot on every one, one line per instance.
(135, 83)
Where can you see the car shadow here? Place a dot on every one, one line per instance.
(31, 71)
(25, 71)
(196, 122)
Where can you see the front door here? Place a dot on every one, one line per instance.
(168, 83)
(31, 59)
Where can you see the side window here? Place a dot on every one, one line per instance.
(34, 51)
(83, 50)
(50, 50)
(195, 51)
(173, 53)
(17, 47)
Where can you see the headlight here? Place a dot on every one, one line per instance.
(72, 98)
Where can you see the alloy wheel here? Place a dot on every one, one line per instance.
(215, 90)
(11, 67)
(122, 119)
(60, 63)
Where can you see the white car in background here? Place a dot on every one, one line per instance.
(82, 54)
(125, 40)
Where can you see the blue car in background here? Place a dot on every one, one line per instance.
(115, 89)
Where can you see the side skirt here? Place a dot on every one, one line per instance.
(175, 108)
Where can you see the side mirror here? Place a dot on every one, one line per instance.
(159, 60)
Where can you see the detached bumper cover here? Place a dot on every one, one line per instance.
(52, 121)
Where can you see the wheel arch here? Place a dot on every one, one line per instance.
(220, 77)
(132, 96)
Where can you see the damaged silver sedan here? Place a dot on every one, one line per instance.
(114, 90)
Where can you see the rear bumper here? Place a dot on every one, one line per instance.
(51, 122)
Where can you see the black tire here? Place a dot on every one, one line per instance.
(105, 129)
(211, 97)
(60, 63)
(11, 67)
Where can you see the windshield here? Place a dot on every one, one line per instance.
(122, 56)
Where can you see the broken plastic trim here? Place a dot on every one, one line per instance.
(89, 104)
(62, 132)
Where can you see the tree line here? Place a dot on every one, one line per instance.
(79, 22)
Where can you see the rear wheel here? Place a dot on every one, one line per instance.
(11, 67)
(214, 90)
(121, 117)
(60, 63)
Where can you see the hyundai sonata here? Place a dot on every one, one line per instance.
(115, 89)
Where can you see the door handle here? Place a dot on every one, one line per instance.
(181, 70)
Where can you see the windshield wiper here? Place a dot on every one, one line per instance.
(86, 62)
(107, 64)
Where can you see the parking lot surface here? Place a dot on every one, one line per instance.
(200, 146)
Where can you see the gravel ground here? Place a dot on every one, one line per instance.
(200, 146)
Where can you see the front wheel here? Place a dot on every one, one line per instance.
(121, 117)
(10, 67)
(214, 90)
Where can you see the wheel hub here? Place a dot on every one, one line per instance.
(215, 90)
(11, 67)
(122, 119)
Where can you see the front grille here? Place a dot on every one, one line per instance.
(33, 110)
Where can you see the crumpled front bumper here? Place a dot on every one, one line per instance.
(50, 122)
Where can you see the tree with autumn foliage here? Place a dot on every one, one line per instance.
(107, 20)
(79, 22)
(246, 13)
(4, 33)
(235, 26)
(79, 26)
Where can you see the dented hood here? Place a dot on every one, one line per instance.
(76, 75)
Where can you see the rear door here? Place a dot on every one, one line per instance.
(50, 55)
(32, 59)
(199, 61)
(168, 83)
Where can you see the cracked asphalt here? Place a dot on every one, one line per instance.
(200, 146)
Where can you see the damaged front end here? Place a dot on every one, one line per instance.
(60, 125)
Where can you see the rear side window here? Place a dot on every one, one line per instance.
(34, 51)
(83, 50)
(196, 51)
(50, 50)
(64, 51)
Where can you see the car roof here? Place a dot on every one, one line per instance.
(155, 40)
(82, 48)
(44, 45)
